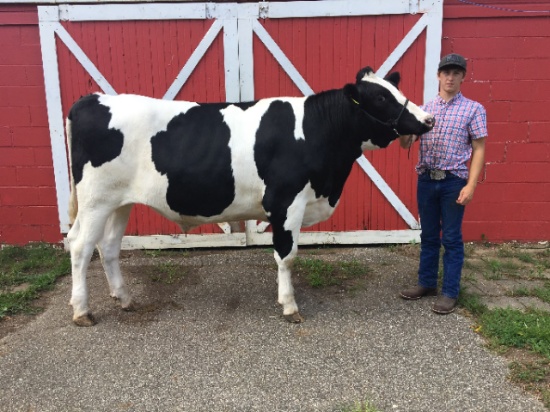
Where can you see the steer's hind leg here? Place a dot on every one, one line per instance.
(83, 236)
(109, 251)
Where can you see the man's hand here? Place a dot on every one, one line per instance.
(407, 141)
(466, 195)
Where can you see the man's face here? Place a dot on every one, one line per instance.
(450, 80)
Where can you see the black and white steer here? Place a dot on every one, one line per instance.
(282, 160)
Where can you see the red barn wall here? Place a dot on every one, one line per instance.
(28, 204)
(509, 57)
(508, 47)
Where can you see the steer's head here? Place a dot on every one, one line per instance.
(386, 108)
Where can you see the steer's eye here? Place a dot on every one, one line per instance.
(380, 99)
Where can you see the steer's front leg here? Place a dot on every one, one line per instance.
(285, 222)
(286, 248)
(286, 291)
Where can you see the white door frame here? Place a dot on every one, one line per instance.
(239, 22)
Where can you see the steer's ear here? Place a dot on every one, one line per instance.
(351, 92)
(362, 73)
(393, 78)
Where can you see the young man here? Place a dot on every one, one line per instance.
(445, 184)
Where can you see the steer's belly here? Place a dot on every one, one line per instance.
(317, 211)
(246, 204)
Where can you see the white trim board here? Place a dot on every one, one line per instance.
(361, 237)
(131, 10)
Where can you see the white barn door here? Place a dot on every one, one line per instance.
(241, 26)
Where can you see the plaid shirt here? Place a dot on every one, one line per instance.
(448, 146)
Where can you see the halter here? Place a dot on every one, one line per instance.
(392, 123)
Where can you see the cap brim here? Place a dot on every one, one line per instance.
(458, 66)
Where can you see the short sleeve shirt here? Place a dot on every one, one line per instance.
(448, 146)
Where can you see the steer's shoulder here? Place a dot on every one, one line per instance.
(84, 104)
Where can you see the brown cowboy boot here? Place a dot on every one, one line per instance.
(416, 292)
(444, 305)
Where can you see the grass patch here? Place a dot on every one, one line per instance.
(543, 293)
(495, 269)
(472, 265)
(526, 258)
(533, 376)
(528, 333)
(529, 372)
(155, 253)
(27, 271)
(168, 273)
(471, 302)
(512, 328)
(365, 406)
(522, 337)
(322, 274)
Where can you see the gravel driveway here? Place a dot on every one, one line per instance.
(212, 338)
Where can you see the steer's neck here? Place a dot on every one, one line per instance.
(342, 121)
(330, 124)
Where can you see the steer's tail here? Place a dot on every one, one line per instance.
(73, 202)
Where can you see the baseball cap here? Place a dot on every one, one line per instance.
(452, 59)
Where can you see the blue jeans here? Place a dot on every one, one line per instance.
(441, 222)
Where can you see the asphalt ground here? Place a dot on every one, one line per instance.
(212, 338)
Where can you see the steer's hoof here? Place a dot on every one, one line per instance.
(129, 307)
(85, 320)
(294, 317)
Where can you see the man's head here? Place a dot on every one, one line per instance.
(452, 61)
(450, 74)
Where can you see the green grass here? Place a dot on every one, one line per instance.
(543, 293)
(512, 328)
(154, 253)
(322, 274)
(168, 273)
(530, 372)
(525, 331)
(526, 258)
(495, 269)
(533, 376)
(27, 271)
(522, 337)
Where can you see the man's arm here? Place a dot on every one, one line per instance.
(476, 166)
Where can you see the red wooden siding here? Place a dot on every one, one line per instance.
(509, 53)
(28, 205)
(509, 56)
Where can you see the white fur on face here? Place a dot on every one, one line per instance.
(416, 111)
(373, 78)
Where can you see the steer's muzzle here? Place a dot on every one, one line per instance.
(430, 121)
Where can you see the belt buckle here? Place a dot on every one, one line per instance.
(437, 174)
